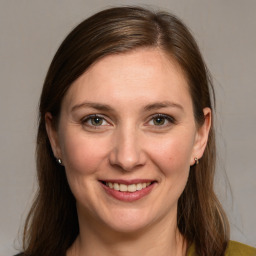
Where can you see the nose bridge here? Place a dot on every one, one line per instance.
(127, 151)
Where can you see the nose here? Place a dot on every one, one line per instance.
(127, 152)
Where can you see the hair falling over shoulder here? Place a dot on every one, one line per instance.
(52, 225)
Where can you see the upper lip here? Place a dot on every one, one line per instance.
(127, 182)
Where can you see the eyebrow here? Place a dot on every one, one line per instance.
(98, 106)
(149, 107)
(163, 104)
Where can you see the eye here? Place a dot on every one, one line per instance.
(161, 120)
(94, 121)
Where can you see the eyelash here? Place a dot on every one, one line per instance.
(169, 119)
(90, 118)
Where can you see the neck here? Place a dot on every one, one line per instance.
(162, 239)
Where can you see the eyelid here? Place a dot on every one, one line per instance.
(169, 118)
(85, 119)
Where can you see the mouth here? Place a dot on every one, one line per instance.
(128, 190)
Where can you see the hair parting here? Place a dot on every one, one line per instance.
(52, 226)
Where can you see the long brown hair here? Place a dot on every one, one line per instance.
(52, 226)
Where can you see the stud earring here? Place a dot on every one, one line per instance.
(59, 161)
(196, 160)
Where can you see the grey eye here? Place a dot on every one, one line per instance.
(96, 121)
(159, 120)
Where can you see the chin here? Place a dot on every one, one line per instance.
(129, 221)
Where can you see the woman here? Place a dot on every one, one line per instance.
(125, 145)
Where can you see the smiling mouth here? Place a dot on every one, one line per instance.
(127, 188)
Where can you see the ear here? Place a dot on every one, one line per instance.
(202, 136)
(52, 135)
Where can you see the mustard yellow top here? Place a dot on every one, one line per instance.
(234, 249)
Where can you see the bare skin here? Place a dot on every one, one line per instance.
(127, 119)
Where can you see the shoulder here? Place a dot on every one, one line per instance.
(233, 249)
(238, 249)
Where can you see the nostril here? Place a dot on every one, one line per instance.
(127, 163)
(126, 153)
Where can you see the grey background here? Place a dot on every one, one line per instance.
(31, 31)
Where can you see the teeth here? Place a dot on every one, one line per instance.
(139, 186)
(132, 188)
(123, 187)
(116, 186)
(129, 188)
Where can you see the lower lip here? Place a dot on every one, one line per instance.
(128, 196)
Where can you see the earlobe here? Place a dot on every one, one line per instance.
(202, 136)
(52, 135)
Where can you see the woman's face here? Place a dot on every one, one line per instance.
(127, 124)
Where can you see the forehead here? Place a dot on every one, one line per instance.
(141, 75)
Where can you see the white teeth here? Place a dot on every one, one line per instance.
(116, 186)
(123, 187)
(129, 188)
(132, 188)
(139, 186)
(110, 184)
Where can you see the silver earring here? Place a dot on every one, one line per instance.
(196, 160)
(59, 161)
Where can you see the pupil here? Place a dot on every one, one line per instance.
(97, 121)
(159, 121)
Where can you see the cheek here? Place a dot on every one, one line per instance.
(83, 158)
(83, 155)
(172, 154)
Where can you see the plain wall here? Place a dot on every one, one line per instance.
(31, 31)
